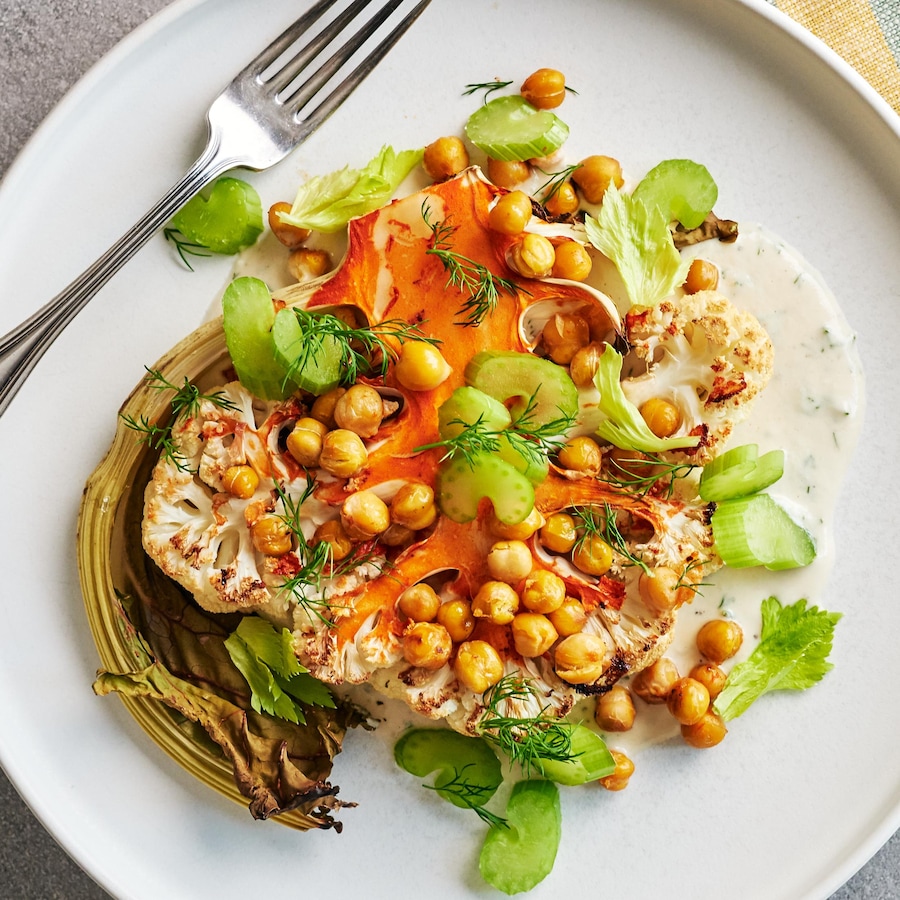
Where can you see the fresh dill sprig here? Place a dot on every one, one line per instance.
(602, 521)
(466, 275)
(185, 247)
(469, 793)
(533, 442)
(639, 476)
(471, 440)
(526, 740)
(158, 438)
(555, 180)
(685, 580)
(362, 350)
(536, 441)
(316, 561)
(487, 86)
(186, 399)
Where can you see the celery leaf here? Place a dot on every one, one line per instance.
(792, 654)
(265, 658)
(623, 425)
(328, 202)
(638, 242)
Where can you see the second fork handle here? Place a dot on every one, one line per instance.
(23, 347)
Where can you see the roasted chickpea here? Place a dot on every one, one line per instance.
(581, 658)
(581, 454)
(543, 591)
(705, 733)
(240, 481)
(564, 335)
(662, 589)
(413, 506)
(421, 366)
(304, 443)
(615, 710)
(572, 262)
(478, 665)
(290, 235)
(396, 535)
(532, 256)
(584, 364)
(343, 453)
(570, 618)
(360, 410)
(426, 645)
(444, 158)
(323, 407)
(593, 555)
(559, 533)
(306, 264)
(511, 213)
(662, 417)
(545, 88)
(364, 515)
(688, 700)
(507, 174)
(595, 174)
(711, 677)
(653, 684)
(618, 780)
(563, 201)
(271, 535)
(333, 533)
(456, 616)
(702, 276)
(419, 602)
(495, 601)
(720, 639)
(520, 531)
(532, 634)
(509, 561)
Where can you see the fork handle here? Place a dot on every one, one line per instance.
(22, 348)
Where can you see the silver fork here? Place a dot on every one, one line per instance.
(253, 124)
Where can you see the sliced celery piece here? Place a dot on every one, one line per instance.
(508, 375)
(248, 315)
(591, 760)
(322, 369)
(519, 855)
(227, 220)
(739, 472)
(756, 531)
(510, 128)
(533, 467)
(463, 483)
(682, 189)
(465, 766)
(466, 406)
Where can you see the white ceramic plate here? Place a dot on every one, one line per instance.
(806, 787)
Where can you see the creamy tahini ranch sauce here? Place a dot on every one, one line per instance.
(811, 409)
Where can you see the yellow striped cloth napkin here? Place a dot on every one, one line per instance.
(866, 33)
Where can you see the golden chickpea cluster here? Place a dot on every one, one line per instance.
(689, 699)
(530, 601)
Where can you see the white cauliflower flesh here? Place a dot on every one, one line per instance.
(703, 354)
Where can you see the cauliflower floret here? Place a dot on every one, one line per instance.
(706, 356)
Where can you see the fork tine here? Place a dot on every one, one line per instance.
(307, 91)
(283, 42)
(289, 71)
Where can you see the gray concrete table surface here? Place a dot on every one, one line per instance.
(45, 47)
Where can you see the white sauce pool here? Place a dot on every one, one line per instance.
(812, 409)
